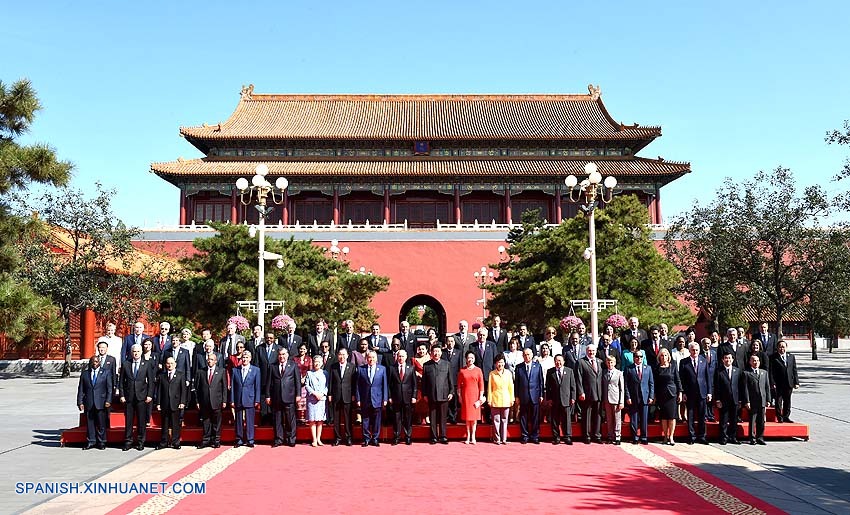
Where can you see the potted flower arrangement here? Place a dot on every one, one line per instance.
(617, 321)
(570, 323)
(242, 323)
(280, 322)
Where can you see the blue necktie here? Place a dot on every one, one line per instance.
(93, 377)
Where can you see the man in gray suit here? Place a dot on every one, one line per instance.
(613, 392)
(756, 393)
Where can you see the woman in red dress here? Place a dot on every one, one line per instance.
(470, 390)
(304, 362)
(421, 408)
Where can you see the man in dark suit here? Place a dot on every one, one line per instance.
(211, 392)
(697, 387)
(485, 355)
(711, 361)
(163, 342)
(640, 394)
(372, 394)
(756, 399)
(783, 380)
(182, 359)
(453, 355)
(245, 395)
(406, 337)
(171, 400)
(528, 390)
(135, 338)
(343, 377)
(438, 389)
(651, 347)
(732, 345)
(315, 339)
(526, 340)
(256, 339)
(401, 379)
(378, 342)
(108, 364)
(498, 335)
(265, 355)
(283, 393)
(605, 350)
(463, 338)
(289, 340)
(94, 396)
(136, 391)
(573, 350)
(347, 339)
(727, 396)
(229, 341)
(768, 340)
(589, 370)
(633, 331)
(199, 361)
(561, 393)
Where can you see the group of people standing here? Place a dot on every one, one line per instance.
(489, 374)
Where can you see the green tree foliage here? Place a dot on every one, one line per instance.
(773, 247)
(546, 269)
(311, 284)
(24, 315)
(81, 257)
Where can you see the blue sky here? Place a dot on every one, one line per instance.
(736, 86)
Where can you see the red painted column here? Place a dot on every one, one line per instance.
(508, 215)
(558, 216)
(458, 214)
(387, 204)
(182, 208)
(336, 205)
(285, 219)
(87, 323)
(657, 205)
(234, 208)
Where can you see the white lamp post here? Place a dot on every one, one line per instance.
(481, 278)
(590, 193)
(258, 191)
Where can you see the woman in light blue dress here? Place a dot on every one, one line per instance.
(316, 384)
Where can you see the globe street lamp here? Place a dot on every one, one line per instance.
(481, 278)
(336, 250)
(258, 191)
(589, 194)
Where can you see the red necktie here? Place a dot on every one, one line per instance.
(640, 373)
(209, 378)
(401, 372)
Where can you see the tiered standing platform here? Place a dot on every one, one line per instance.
(192, 432)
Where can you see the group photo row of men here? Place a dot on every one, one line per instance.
(477, 375)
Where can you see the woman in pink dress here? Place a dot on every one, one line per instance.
(470, 390)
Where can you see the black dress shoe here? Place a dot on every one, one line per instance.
(161, 446)
(788, 420)
(616, 442)
(556, 441)
(126, 447)
(568, 440)
(249, 445)
(237, 445)
(635, 441)
(375, 444)
(277, 444)
(722, 442)
(752, 442)
(140, 447)
(644, 442)
(216, 445)
(444, 440)
(409, 441)
(535, 441)
(364, 444)
(702, 441)
(291, 444)
(395, 441)
(101, 446)
(348, 442)
(176, 447)
(433, 442)
(523, 441)
(88, 446)
(335, 443)
(587, 441)
(761, 441)
(734, 441)
(201, 446)
(597, 440)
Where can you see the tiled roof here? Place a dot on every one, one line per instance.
(419, 117)
(659, 170)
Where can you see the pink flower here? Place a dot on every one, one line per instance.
(617, 321)
(241, 322)
(281, 322)
(571, 323)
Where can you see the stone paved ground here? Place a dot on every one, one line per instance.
(799, 477)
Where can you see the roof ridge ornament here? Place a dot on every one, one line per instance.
(247, 92)
(595, 92)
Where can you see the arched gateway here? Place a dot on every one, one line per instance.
(426, 301)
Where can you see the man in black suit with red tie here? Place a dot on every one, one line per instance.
(727, 395)
(163, 342)
(136, 389)
(343, 375)
(406, 337)
(282, 393)
(172, 399)
(94, 396)
(211, 392)
(783, 380)
(401, 379)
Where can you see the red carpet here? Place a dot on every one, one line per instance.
(454, 479)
